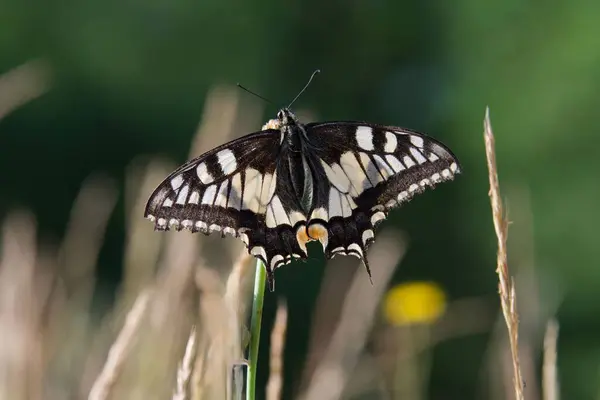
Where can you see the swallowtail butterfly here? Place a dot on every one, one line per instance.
(291, 183)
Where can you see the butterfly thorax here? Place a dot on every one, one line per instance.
(295, 142)
(292, 130)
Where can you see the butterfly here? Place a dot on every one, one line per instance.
(292, 183)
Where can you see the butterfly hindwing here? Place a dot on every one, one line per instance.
(362, 171)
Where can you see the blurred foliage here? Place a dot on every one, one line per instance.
(129, 78)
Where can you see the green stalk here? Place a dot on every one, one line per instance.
(257, 311)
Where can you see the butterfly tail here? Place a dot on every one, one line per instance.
(366, 262)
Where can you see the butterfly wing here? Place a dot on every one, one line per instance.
(362, 171)
(241, 188)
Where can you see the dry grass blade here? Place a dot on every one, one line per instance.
(77, 259)
(83, 240)
(184, 372)
(506, 286)
(356, 319)
(212, 365)
(22, 84)
(21, 347)
(120, 348)
(233, 294)
(143, 245)
(337, 279)
(275, 381)
(550, 385)
(219, 115)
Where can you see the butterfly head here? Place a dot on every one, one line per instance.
(286, 117)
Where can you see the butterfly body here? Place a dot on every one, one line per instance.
(292, 183)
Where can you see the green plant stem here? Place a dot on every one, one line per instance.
(255, 323)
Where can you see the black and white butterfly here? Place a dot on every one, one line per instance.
(291, 183)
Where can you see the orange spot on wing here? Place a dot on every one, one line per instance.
(314, 232)
(302, 236)
(317, 232)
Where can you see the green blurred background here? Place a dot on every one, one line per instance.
(129, 78)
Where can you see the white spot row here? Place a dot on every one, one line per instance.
(278, 260)
(435, 178)
(189, 224)
(353, 249)
(364, 139)
(446, 174)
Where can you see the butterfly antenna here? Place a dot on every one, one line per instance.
(305, 86)
(253, 93)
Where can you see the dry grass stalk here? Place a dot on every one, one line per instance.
(21, 347)
(184, 372)
(199, 369)
(76, 267)
(356, 319)
(170, 317)
(506, 285)
(275, 382)
(213, 360)
(336, 281)
(87, 224)
(234, 290)
(23, 84)
(233, 300)
(532, 311)
(550, 384)
(120, 348)
(143, 244)
(219, 115)
(175, 277)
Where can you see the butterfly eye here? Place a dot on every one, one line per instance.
(280, 115)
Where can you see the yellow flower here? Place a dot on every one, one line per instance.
(414, 303)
